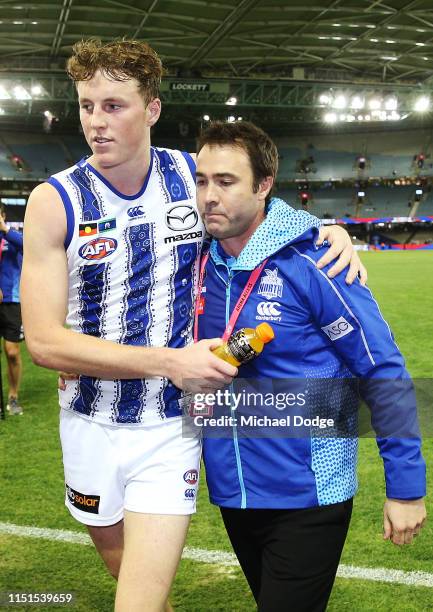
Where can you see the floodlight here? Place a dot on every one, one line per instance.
(391, 103)
(4, 95)
(375, 103)
(357, 103)
(422, 104)
(340, 102)
(330, 118)
(20, 93)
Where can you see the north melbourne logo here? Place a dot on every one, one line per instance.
(338, 329)
(268, 311)
(271, 286)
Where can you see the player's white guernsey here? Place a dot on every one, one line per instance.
(132, 264)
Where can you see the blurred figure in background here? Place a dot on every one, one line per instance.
(11, 328)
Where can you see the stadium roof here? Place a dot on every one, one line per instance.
(351, 40)
(267, 55)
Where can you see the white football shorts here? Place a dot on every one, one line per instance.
(152, 469)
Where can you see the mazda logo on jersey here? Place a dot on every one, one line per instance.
(181, 218)
(98, 248)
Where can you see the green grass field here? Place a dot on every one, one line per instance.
(31, 490)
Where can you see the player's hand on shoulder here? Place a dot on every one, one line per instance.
(341, 246)
(403, 519)
(196, 369)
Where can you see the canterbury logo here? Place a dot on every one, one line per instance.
(181, 218)
(268, 309)
(135, 211)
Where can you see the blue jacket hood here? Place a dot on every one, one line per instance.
(283, 225)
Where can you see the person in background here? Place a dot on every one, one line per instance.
(11, 327)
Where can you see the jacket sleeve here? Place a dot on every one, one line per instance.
(15, 238)
(353, 325)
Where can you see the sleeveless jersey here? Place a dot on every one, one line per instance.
(132, 263)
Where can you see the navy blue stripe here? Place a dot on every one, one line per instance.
(70, 217)
(138, 317)
(90, 204)
(180, 313)
(191, 163)
(175, 184)
(92, 297)
(118, 193)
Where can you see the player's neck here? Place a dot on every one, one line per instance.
(233, 246)
(127, 177)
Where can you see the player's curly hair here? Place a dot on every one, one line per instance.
(120, 60)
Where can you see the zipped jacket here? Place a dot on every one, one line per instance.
(326, 334)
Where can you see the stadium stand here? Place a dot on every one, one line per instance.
(389, 154)
(381, 201)
(43, 154)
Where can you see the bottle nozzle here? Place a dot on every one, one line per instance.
(265, 332)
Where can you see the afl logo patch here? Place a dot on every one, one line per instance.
(98, 248)
(191, 477)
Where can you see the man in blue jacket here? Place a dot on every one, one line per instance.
(286, 498)
(11, 328)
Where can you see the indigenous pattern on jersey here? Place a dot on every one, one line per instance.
(132, 264)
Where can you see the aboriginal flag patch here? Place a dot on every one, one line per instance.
(88, 229)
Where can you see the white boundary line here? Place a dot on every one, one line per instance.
(377, 574)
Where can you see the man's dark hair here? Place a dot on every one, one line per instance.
(261, 150)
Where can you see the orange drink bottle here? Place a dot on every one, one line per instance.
(245, 344)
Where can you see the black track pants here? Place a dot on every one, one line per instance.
(289, 557)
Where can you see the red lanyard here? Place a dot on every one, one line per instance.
(239, 304)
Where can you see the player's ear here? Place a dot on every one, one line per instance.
(265, 186)
(153, 110)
